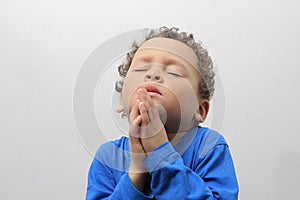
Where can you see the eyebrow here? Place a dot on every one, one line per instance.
(144, 58)
(168, 60)
(175, 61)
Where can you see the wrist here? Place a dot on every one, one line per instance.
(150, 144)
(138, 180)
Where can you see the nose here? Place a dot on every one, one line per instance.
(153, 76)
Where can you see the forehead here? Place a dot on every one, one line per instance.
(172, 46)
(159, 57)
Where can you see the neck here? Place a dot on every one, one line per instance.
(174, 138)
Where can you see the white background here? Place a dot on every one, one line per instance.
(43, 45)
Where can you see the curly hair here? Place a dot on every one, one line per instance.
(205, 64)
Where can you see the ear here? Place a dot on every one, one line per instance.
(201, 113)
(120, 108)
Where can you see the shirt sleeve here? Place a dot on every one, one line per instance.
(101, 185)
(213, 178)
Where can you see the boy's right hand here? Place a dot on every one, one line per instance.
(137, 153)
(137, 172)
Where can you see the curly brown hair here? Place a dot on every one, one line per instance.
(205, 64)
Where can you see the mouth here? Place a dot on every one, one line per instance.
(152, 90)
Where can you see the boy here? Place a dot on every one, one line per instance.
(168, 82)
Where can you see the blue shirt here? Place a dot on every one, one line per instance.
(198, 167)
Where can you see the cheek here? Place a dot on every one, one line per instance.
(187, 97)
(128, 91)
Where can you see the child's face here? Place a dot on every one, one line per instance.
(171, 81)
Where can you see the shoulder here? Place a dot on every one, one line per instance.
(112, 147)
(207, 140)
(114, 153)
(209, 135)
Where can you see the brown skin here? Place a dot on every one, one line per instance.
(140, 143)
(147, 131)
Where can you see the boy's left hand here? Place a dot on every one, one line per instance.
(153, 133)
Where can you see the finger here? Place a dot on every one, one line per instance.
(157, 113)
(147, 102)
(134, 111)
(145, 97)
(148, 98)
(144, 114)
(137, 121)
(135, 127)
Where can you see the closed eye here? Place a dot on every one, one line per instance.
(173, 73)
(139, 70)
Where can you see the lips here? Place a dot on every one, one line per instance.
(152, 90)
